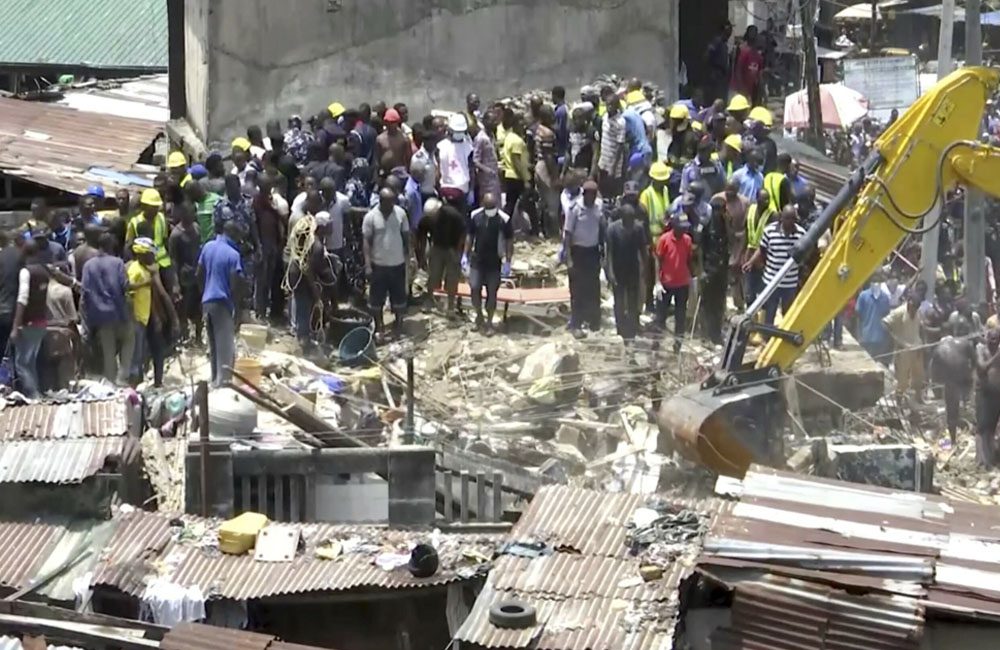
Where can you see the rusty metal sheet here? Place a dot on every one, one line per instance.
(192, 636)
(68, 420)
(55, 145)
(23, 547)
(567, 575)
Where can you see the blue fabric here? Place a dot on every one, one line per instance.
(226, 210)
(64, 237)
(415, 201)
(103, 288)
(872, 306)
(750, 182)
(635, 130)
(219, 258)
(562, 129)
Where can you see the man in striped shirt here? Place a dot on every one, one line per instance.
(775, 249)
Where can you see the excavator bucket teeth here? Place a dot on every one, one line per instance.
(724, 430)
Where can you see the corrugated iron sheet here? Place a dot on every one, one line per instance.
(57, 461)
(145, 98)
(69, 420)
(192, 636)
(23, 547)
(785, 614)
(565, 624)
(565, 575)
(55, 145)
(144, 547)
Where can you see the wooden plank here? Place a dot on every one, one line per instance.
(464, 477)
(285, 394)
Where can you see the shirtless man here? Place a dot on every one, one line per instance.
(988, 397)
(952, 361)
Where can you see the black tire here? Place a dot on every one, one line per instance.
(513, 615)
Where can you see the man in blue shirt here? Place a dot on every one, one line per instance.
(562, 120)
(703, 168)
(872, 306)
(102, 301)
(220, 273)
(748, 177)
(640, 153)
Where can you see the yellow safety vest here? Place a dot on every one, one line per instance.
(159, 236)
(772, 183)
(755, 226)
(656, 204)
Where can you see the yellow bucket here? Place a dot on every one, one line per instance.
(251, 369)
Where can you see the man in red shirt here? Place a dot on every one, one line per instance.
(674, 254)
(749, 66)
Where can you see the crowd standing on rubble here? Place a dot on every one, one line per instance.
(681, 208)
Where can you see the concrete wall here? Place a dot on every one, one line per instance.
(196, 30)
(271, 59)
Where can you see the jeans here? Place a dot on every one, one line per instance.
(149, 342)
(585, 287)
(479, 278)
(270, 261)
(116, 341)
(221, 327)
(627, 307)
(780, 297)
(26, 347)
(679, 297)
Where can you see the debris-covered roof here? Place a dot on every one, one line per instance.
(78, 419)
(184, 550)
(66, 149)
(94, 34)
(145, 98)
(808, 542)
(585, 586)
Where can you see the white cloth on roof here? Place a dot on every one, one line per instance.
(168, 603)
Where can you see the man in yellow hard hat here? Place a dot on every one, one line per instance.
(335, 109)
(730, 154)
(655, 200)
(241, 158)
(738, 107)
(152, 224)
(761, 122)
(683, 139)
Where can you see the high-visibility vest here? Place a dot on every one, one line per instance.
(159, 236)
(772, 183)
(656, 204)
(755, 226)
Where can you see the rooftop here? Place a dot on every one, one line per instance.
(91, 34)
(586, 590)
(851, 555)
(69, 150)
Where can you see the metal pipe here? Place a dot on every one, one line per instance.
(201, 399)
(409, 435)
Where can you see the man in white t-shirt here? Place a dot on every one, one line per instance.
(455, 157)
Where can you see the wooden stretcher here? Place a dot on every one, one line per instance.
(530, 303)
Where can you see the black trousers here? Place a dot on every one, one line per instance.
(585, 287)
(713, 306)
(628, 304)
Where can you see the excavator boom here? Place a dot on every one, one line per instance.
(735, 417)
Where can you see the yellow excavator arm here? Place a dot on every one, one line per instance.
(928, 150)
(735, 417)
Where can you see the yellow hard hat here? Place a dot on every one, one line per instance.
(242, 144)
(176, 159)
(734, 141)
(336, 109)
(697, 126)
(679, 112)
(762, 115)
(151, 197)
(738, 103)
(634, 97)
(659, 171)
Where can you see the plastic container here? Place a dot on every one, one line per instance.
(251, 369)
(358, 347)
(230, 414)
(254, 337)
(346, 321)
(239, 534)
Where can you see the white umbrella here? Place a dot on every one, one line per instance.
(841, 106)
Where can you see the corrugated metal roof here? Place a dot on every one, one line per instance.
(57, 461)
(588, 593)
(70, 420)
(128, 34)
(146, 98)
(888, 548)
(14, 643)
(192, 636)
(784, 614)
(23, 547)
(57, 146)
(144, 547)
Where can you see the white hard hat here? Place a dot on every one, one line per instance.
(458, 123)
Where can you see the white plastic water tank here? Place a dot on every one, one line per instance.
(230, 414)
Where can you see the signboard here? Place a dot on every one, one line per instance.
(887, 82)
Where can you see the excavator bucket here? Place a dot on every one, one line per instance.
(725, 429)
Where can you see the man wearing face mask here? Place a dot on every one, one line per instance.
(582, 241)
(386, 243)
(455, 157)
(490, 239)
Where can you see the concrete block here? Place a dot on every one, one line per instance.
(897, 467)
(853, 380)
